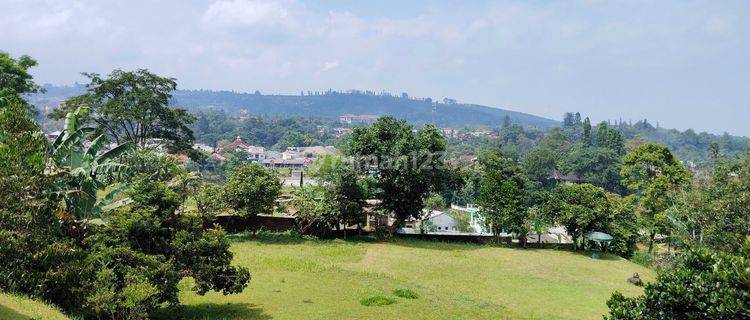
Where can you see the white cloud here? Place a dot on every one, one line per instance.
(244, 13)
(329, 65)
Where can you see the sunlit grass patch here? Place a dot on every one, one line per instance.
(405, 293)
(377, 301)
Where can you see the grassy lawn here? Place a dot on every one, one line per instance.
(311, 279)
(17, 308)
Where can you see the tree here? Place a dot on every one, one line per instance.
(37, 257)
(407, 165)
(543, 160)
(502, 196)
(622, 225)
(313, 211)
(133, 106)
(610, 138)
(210, 202)
(587, 131)
(580, 208)
(434, 201)
(703, 285)
(346, 191)
(655, 175)
(138, 258)
(15, 80)
(252, 189)
(599, 166)
(87, 169)
(712, 211)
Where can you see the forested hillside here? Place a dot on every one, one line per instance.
(330, 104)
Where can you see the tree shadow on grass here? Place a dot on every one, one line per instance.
(606, 256)
(217, 311)
(268, 238)
(435, 244)
(10, 314)
(291, 238)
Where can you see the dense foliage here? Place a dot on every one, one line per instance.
(502, 196)
(15, 80)
(133, 106)
(252, 189)
(129, 262)
(702, 285)
(406, 164)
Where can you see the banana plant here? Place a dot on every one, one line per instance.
(85, 168)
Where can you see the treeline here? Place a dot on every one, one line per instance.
(276, 132)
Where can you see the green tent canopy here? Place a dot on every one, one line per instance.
(598, 237)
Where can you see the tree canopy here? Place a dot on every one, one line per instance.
(406, 164)
(15, 79)
(133, 106)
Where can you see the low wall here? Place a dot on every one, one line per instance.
(234, 224)
(254, 223)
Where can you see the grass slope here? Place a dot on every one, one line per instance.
(16, 308)
(295, 279)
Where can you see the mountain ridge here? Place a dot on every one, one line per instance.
(330, 104)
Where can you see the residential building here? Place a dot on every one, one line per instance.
(358, 119)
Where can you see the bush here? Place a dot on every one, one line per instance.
(405, 293)
(702, 285)
(643, 258)
(377, 301)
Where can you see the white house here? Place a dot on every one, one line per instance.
(441, 221)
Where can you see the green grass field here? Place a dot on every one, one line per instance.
(17, 308)
(311, 279)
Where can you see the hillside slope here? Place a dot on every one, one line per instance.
(321, 279)
(17, 308)
(334, 104)
(330, 105)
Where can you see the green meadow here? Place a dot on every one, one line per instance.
(405, 279)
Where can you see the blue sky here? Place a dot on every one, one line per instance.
(685, 64)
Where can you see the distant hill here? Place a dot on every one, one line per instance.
(330, 104)
(333, 104)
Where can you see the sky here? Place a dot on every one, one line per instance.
(684, 64)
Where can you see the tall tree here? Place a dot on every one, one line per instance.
(610, 138)
(502, 196)
(655, 175)
(587, 131)
(133, 106)
(406, 164)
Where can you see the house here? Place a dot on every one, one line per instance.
(316, 151)
(284, 163)
(358, 119)
(203, 148)
(441, 221)
(270, 154)
(312, 152)
(569, 178)
(238, 145)
(339, 132)
(256, 154)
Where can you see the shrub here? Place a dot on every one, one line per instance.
(405, 293)
(702, 285)
(377, 301)
(643, 258)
